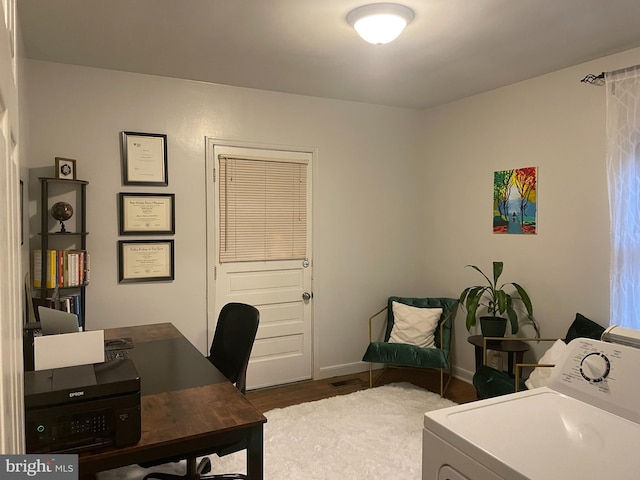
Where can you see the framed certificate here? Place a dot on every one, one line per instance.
(144, 158)
(145, 261)
(146, 213)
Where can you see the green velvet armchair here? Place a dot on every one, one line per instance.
(436, 357)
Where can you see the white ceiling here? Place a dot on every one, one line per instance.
(452, 49)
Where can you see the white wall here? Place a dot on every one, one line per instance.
(553, 122)
(402, 198)
(364, 190)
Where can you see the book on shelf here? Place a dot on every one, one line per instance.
(37, 268)
(63, 268)
(48, 264)
(52, 268)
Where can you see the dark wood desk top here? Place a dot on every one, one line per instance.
(144, 333)
(187, 417)
(165, 359)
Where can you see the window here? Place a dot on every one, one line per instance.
(623, 175)
(263, 209)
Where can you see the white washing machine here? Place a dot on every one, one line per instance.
(584, 425)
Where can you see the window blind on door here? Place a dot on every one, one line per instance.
(263, 209)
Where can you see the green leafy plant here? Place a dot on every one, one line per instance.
(497, 301)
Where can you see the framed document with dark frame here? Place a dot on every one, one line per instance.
(144, 158)
(145, 261)
(146, 213)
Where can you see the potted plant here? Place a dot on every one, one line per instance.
(497, 302)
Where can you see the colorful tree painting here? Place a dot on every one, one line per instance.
(514, 201)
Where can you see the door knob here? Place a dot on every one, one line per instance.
(306, 296)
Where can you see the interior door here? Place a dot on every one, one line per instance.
(280, 288)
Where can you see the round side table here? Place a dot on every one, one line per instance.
(515, 350)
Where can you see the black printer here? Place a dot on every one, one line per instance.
(83, 407)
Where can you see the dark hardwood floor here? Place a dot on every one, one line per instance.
(292, 394)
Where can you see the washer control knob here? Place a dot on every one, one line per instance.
(595, 367)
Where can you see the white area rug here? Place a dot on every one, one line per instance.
(370, 434)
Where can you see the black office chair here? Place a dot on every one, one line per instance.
(230, 351)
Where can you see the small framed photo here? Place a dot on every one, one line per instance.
(144, 158)
(65, 168)
(146, 213)
(145, 261)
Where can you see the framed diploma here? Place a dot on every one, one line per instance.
(144, 158)
(145, 261)
(146, 213)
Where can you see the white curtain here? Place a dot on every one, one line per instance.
(623, 175)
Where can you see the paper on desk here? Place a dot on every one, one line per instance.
(68, 349)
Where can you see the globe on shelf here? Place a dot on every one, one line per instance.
(62, 212)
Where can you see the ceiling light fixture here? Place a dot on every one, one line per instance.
(380, 23)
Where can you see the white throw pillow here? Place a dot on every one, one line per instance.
(540, 375)
(414, 325)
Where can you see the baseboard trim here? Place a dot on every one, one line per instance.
(359, 367)
(344, 369)
(462, 374)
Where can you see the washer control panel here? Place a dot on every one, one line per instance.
(602, 374)
(595, 367)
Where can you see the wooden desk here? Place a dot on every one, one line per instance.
(513, 348)
(187, 405)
